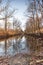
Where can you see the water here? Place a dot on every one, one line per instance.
(21, 46)
(13, 46)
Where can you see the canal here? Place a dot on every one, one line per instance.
(21, 50)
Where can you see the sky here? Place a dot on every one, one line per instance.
(20, 6)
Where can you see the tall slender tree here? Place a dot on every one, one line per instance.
(34, 9)
(6, 15)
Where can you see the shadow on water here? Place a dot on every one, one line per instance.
(25, 49)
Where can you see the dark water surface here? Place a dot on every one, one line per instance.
(26, 49)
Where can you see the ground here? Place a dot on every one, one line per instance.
(21, 59)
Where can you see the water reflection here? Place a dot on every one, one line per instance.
(2, 51)
(21, 44)
(36, 45)
(13, 46)
(25, 45)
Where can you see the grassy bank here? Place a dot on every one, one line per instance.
(8, 33)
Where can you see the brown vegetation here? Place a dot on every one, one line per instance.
(35, 17)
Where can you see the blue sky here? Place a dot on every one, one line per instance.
(20, 5)
(21, 8)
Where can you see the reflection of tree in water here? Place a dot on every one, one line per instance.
(16, 44)
(12, 44)
(36, 49)
(5, 47)
(35, 44)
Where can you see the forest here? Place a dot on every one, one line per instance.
(34, 22)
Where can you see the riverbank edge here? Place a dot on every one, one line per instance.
(40, 35)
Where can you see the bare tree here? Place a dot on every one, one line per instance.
(31, 10)
(6, 15)
(16, 24)
(34, 9)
